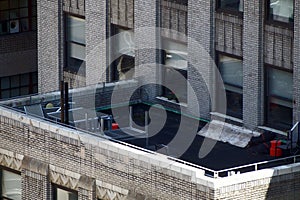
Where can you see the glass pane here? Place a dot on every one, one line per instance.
(5, 83)
(25, 24)
(11, 185)
(14, 4)
(15, 92)
(177, 79)
(77, 51)
(65, 195)
(280, 116)
(76, 29)
(24, 90)
(24, 79)
(234, 104)
(23, 3)
(35, 89)
(232, 4)
(4, 15)
(231, 70)
(4, 5)
(5, 94)
(15, 81)
(280, 83)
(13, 14)
(3, 27)
(24, 12)
(34, 78)
(282, 10)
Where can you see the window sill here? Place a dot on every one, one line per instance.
(171, 101)
(273, 130)
(220, 115)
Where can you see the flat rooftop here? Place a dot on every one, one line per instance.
(221, 156)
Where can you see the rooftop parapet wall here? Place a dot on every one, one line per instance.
(141, 172)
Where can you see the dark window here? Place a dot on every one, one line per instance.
(18, 85)
(174, 72)
(122, 53)
(61, 193)
(10, 185)
(231, 5)
(17, 16)
(281, 10)
(279, 99)
(75, 45)
(231, 70)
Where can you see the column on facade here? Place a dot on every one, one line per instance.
(296, 67)
(253, 63)
(49, 25)
(35, 179)
(147, 43)
(96, 14)
(200, 55)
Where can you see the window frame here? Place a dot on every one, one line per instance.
(67, 50)
(56, 186)
(1, 172)
(229, 112)
(30, 85)
(268, 96)
(270, 21)
(228, 10)
(30, 16)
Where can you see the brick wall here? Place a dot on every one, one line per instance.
(253, 63)
(49, 45)
(46, 153)
(229, 34)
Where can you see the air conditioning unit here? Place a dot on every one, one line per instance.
(14, 26)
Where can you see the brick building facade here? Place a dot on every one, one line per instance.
(253, 45)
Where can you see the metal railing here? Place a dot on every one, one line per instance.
(207, 172)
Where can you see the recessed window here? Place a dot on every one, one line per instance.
(75, 43)
(279, 95)
(17, 16)
(281, 10)
(231, 70)
(174, 71)
(61, 193)
(231, 5)
(123, 53)
(18, 85)
(10, 185)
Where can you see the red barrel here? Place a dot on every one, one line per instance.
(114, 126)
(274, 149)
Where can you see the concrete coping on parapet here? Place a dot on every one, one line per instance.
(263, 176)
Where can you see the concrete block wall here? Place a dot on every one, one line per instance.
(229, 34)
(96, 13)
(278, 47)
(74, 6)
(122, 12)
(253, 65)
(296, 61)
(147, 43)
(173, 17)
(200, 54)
(49, 44)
